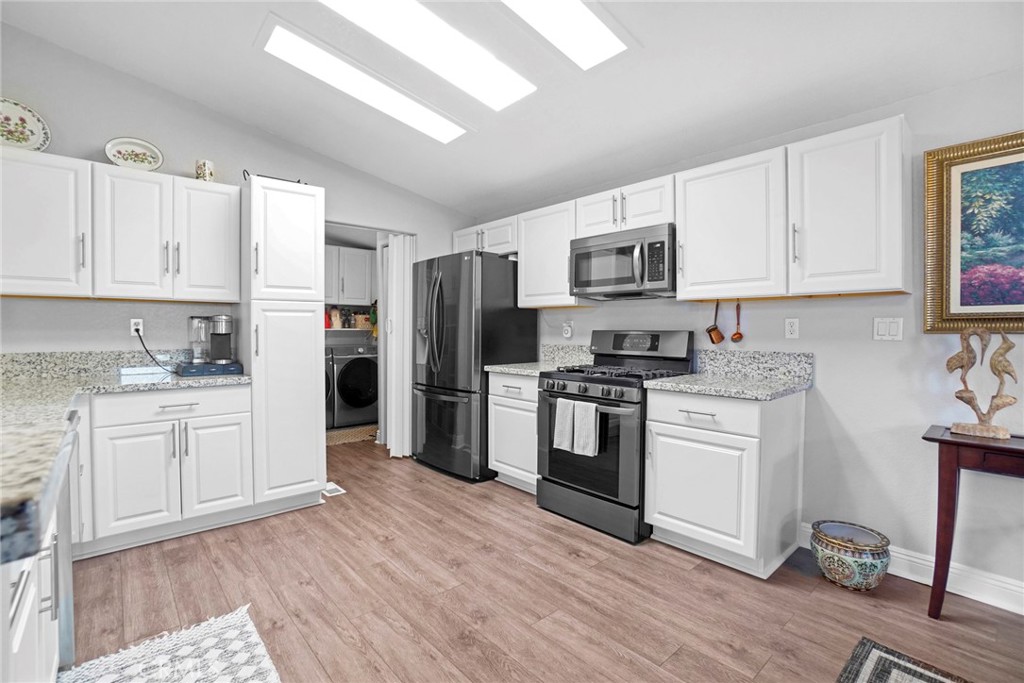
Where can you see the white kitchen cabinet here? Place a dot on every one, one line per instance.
(731, 228)
(133, 233)
(283, 225)
(723, 477)
(332, 283)
(289, 449)
(46, 224)
(354, 272)
(21, 620)
(48, 628)
(512, 429)
(496, 237)
(206, 241)
(544, 236)
(216, 464)
(639, 205)
(849, 200)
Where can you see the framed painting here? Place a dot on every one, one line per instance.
(974, 235)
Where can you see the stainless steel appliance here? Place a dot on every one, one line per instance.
(466, 317)
(354, 385)
(632, 264)
(222, 347)
(213, 349)
(605, 490)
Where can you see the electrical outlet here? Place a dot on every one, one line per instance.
(792, 328)
(136, 324)
(567, 329)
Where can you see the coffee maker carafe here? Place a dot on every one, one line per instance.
(222, 347)
(199, 339)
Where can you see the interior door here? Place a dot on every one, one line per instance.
(216, 464)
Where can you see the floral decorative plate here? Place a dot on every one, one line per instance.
(134, 153)
(22, 127)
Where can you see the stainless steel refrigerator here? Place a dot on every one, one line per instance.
(466, 317)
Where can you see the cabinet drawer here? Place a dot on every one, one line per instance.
(173, 404)
(521, 387)
(733, 415)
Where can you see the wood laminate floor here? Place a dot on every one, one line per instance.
(414, 576)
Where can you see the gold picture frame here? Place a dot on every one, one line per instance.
(976, 286)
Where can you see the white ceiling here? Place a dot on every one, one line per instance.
(697, 77)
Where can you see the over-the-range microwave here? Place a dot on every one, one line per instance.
(631, 264)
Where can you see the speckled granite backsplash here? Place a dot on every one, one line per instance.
(566, 354)
(755, 365)
(64, 363)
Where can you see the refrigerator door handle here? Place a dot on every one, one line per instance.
(439, 321)
(431, 331)
(440, 397)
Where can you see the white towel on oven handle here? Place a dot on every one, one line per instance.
(584, 440)
(564, 409)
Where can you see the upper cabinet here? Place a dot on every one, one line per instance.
(206, 241)
(639, 205)
(544, 236)
(285, 242)
(497, 237)
(823, 216)
(332, 282)
(349, 276)
(46, 225)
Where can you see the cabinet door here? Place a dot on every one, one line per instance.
(46, 221)
(597, 214)
(651, 202)
(133, 232)
(206, 241)
(289, 450)
(287, 240)
(847, 230)
(137, 479)
(544, 236)
(20, 660)
(703, 485)
(466, 239)
(332, 285)
(731, 227)
(48, 631)
(354, 273)
(512, 438)
(216, 464)
(499, 237)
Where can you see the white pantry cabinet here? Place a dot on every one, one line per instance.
(731, 228)
(46, 224)
(640, 205)
(289, 441)
(496, 237)
(512, 429)
(544, 236)
(206, 241)
(723, 477)
(284, 240)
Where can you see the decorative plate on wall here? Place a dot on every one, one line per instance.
(21, 127)
(134, 153)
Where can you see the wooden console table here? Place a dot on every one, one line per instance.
(960, 452)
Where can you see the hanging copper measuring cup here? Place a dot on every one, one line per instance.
(737, 336)
(713, 332)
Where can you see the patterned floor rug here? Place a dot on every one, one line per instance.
(352, 434)
(874, 663)
(226, 648)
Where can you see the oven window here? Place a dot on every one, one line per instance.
(598, 474)
(604, 267)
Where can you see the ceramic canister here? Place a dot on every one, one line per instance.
(850, 555)
(204, 170)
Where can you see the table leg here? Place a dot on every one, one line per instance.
(949, 484)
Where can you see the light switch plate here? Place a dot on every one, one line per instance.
(887, 329)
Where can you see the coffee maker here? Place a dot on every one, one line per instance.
(211, 339)
(222, 347)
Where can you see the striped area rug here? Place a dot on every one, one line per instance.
(874, 663)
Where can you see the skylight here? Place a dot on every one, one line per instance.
(421, 35)
(570, 27)
(339, 74)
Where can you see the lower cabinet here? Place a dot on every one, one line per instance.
(512, 430)
(723, 477)
(216, 464)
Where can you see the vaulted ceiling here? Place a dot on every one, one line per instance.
(696, 77)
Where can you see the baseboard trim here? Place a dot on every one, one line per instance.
(976, 584)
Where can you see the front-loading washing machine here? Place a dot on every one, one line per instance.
(355, 385)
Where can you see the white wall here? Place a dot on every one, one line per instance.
(872, 401)
(86, 104)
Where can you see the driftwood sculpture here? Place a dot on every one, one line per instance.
(1000, 366)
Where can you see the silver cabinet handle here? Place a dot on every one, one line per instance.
(794, 243)
(178, 405)
(483, 241)
(479, 234)
(679, 265)
(18, 595)
(342, 287)
(81, 244)
(257, 260)
(167, 256)
(177, 258)
(511, 388)
(54, 581)
(174, 443)
(257, 347)
(184, 439)
(698, 412)
(615, 209)
(623, 210)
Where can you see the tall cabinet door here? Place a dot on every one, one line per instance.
(45, 224)
(206, 240)
(846, 210)
(731, 227)
(137, 480)
(354, 276)
(216, 464)
(286, 240)
(289, 449)
(544, 236)
(133, 232)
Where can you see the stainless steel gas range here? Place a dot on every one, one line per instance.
(605, 489)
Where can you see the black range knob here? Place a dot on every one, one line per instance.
(619, 393)
(549, 384)
(606, 391)
(560, 386)
(582, 388)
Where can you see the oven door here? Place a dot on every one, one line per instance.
(614, 473)
(608, 269)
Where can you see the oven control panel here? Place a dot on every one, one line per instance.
(629, 394)
(635, 341)
(655, 261)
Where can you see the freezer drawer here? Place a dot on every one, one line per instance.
(449, 431)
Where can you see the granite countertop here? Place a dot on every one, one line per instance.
(754, 389)
(527, 369)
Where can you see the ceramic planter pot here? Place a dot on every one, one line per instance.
(850, 555)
